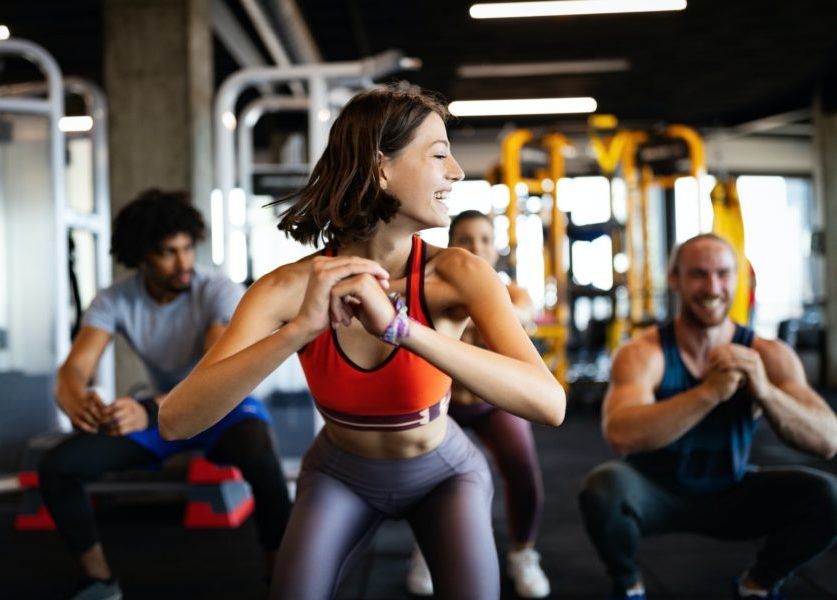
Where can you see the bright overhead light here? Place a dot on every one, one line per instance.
(562, 67)
(228, 120)
(529, 106)
(72, 124)
(503, 10)
(4, 32)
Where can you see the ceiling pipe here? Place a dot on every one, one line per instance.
(233, 36)
(236, 40)
(295, 32)
(271, 41)
(772, 125)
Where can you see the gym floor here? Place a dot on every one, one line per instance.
(155, 557)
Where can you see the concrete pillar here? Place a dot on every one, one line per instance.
(825, 139)
(159, 79)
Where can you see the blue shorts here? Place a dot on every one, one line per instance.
(150, 438)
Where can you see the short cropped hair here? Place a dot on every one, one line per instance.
(677, 252)
(343, 200)
(148, 219)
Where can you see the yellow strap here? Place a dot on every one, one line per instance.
(728, 223)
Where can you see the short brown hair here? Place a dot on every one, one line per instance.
(677, 252)
(343, 201)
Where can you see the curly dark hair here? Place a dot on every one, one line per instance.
(148, 219)
(343, 201)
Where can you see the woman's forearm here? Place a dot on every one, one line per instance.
(213, 389)
(517, 386)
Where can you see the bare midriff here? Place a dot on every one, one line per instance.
(391, 445)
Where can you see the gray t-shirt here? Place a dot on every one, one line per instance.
(168, 338)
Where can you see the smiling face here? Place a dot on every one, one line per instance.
(421, 175)
(705, 280)
(476, 235)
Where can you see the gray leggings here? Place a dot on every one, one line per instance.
(342, 498)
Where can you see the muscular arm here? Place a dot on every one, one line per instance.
(84, 408)
(795, 411)
(632, 421)
(511, 375)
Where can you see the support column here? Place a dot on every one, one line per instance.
(158, 71)
(825, 139)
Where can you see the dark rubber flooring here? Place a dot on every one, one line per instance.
(155, 557)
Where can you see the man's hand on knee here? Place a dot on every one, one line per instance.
(125, 416)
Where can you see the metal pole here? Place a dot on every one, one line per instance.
(96, 106)
(46, 63)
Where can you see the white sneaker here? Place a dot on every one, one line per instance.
(419, 582)
(525, 569)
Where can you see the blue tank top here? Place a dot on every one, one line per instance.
(712, 455)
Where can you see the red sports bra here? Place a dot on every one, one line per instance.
(403, 392)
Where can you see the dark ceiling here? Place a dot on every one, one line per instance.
(719, 62)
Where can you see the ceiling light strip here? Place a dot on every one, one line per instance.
(72, 124)
(564, 67)
(562, 8)
(528, 106)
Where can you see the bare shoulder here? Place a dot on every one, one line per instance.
(640, 357)
(460, 268)
(458, 283)
(771, 349)
(519, 296)
(780, 361)
(288, 275)
(282, 289)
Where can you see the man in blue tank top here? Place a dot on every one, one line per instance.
(169, 313)
(681, 407)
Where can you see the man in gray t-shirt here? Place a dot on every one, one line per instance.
(168, 338)
(170, 314)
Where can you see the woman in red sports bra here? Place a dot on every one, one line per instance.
(376, 319)
(507, 438)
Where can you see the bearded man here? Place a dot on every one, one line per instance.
(681, 408)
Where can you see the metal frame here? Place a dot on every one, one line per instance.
(97, 223)
(555, 330)
(53, 109)
(318, 77)
(251, 115)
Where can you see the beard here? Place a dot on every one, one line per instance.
(173, 283)
(699, 318)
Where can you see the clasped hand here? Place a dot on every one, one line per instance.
(734, 365)
(342, 288)
(125, 415)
